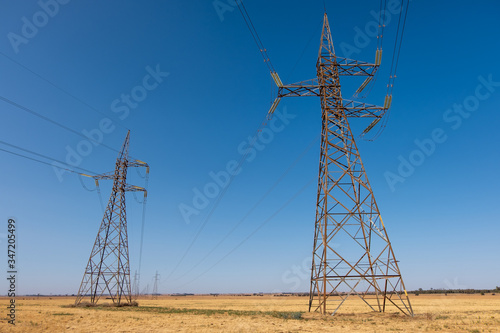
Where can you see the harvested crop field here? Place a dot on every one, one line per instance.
(452, 313)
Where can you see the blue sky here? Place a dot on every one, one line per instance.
(211, 94)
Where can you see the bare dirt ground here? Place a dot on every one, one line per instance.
(433, 313)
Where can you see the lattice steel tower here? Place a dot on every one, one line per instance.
(352, 254)
(108, 269)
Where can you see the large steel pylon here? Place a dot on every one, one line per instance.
(352, 254)
(108, 269)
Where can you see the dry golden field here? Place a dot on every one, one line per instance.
(433, 313)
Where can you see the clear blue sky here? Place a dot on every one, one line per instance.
(442, 219)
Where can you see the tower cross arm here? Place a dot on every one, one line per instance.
(312, 87)
(357, 109)
(138, 163)
(111, 174)
(107, 175)
(352, 67)
(133, 188)
(303, 88)
(352, 108)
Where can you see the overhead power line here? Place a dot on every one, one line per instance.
(219, 199)
(47, 119)
(63, 90)
(403, 14)
(397, 44)
(270, 218)
(252, 209)
(47, 163)
(43, 156)
(255, 35)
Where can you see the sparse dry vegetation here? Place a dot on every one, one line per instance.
(433, 313)
(107, 305)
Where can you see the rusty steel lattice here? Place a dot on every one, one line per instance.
(352, 254)
(108, 269)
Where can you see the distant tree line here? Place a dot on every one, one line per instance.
(456, 291)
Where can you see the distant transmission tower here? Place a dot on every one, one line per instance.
(155, 286)
(135, 285)
(108, 269)
(352, 254)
